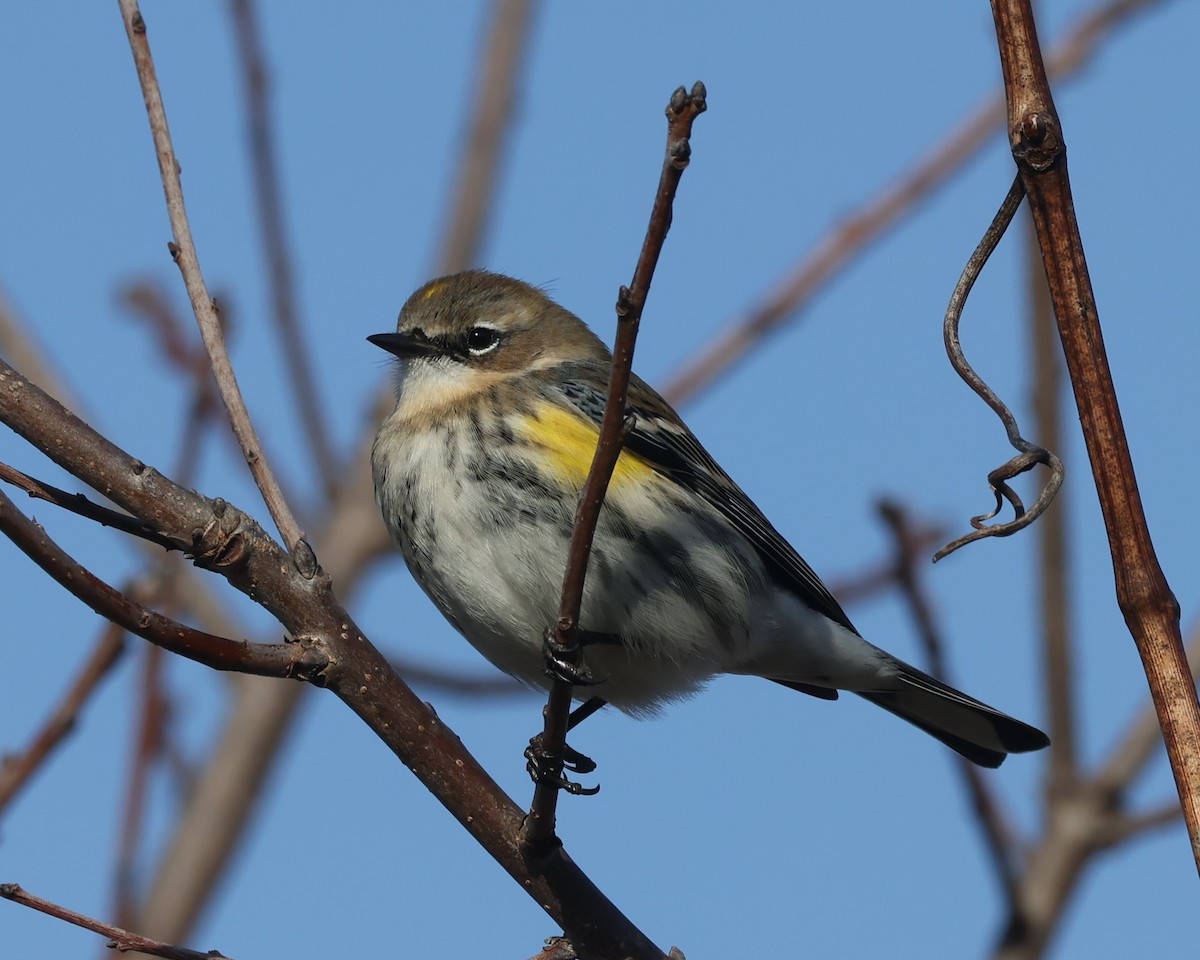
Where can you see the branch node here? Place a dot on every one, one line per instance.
(305, 559)
(1037, 141)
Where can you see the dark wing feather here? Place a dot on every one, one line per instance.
(661, 439)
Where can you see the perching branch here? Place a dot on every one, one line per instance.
(1029, 454)
(1150, 609)
(331, 652)
(682, 110)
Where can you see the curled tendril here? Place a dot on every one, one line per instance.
(1029, 454)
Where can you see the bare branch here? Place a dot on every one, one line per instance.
(1130, 825)
(1029, 454)
(78, 504)
(120, 939)
(682, 110)
(271, 660)
(183, 250)
(16, 770)
(336, 655)
(998, 834)
(1150, 609)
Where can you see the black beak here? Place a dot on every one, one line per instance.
(404, 345)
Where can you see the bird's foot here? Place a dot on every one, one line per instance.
(547, 769)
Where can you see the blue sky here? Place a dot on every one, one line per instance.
(750, 816)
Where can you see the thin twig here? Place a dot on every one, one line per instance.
(483, 146)
(149, 735)
(1126, 826)
(121, 940)
(306, 387)
(1150, 609)
(998, 834)
(183, 250)
(684, 107)
(16, 769)
(1029, 454)
(270, 660)
(80, 505)
(848, 239)
(216, 814)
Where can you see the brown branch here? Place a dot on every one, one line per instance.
(17, 769)
(183, 250)
(1000, 839)
(874, 218)
(306, 392)
(1082, 818)
(149, 735)
(1150, 609)
(682, 110)
(263, 659)
(351, 537)
(227, 541)
(1029, 454)
(80, 505)
(483, 149)
(1126, 827)
(121, 940)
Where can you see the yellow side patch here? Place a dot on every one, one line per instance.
(569, 443)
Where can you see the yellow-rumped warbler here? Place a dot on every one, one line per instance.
(478, 472)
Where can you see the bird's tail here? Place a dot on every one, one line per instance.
(980, 733)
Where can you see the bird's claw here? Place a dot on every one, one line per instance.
(543, 768)
(563, 663)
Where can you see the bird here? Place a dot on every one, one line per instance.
(478, 469)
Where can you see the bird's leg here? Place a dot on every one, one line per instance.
(546, 769)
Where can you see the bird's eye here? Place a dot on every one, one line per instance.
(481, 340)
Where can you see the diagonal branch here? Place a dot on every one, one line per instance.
(351, 537)
(998, 833)
(264, 659)
(682, 110)
(227, 541)
(122, 940)
(80, 505)
(183, 250)
(1150, 609)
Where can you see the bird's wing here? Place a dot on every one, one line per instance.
(662, 440)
